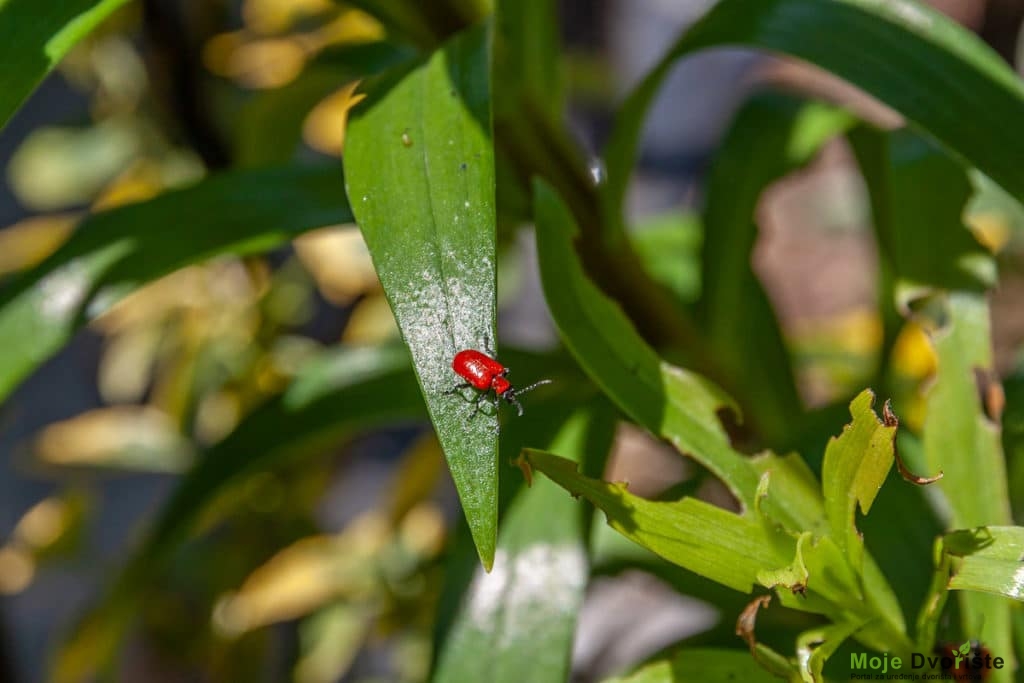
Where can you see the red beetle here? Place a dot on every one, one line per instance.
(483, 373)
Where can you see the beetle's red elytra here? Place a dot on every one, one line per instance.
(485, 374)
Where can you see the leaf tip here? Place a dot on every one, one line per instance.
(889, 419)
(524, 465)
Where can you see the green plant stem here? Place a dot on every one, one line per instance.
(536, 147)
(935, 601)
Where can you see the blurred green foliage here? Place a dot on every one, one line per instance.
(378, 160)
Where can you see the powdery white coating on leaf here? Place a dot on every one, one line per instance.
(63, 291)
(522, 592)
(429, 222)
(913, 14)
(907, 12)
(1017, 583)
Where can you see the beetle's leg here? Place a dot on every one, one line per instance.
(513, 401)
(458, 389)
(476, 404)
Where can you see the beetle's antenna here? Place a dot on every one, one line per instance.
(512, 394)
(520, 392)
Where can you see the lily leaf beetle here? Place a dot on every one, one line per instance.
(485, 374)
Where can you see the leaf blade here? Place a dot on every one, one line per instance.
(667, 400)
(240, 212)
(365, 387)
(35, 36)
(714, 665)
(723, 546)
(518, 621)
(771, 136)
(855, 467)
(434, 244)
(937, 74)
(990, 560)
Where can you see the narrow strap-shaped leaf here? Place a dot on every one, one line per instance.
(270, 125)
(855, 467)
(941, 77)
(669, 401)
(723, 546)
(526, 58)
(517, 622)
(34, 36)
(333, 396)
(990, 560)
(961, 428)
(772, 136)
(709, 665)
(114, 252)
(420, 166)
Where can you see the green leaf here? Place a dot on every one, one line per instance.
(708, 665)
(959, 437)
(1013, 439)
(855, 467)
(270, 125)
(35, 36)
(964, 442)
(526, 59)
(990, 560)
(682, 408)
(940, 76)
(669, 247)
(791, 494)
(830, 552)
(945, 284)
(900, 533)
(814, 647)
(342, 392)
(402, 19)
(771, 137)
(334, 395)
(669, 401)
(116, 251)
(420, 166)
(425, 23)
(896, 166)
(517, 622)
(701, 537)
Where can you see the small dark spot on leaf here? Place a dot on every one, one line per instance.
(990, 392)
(462, 166)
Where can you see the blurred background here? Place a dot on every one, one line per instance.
(329, 570)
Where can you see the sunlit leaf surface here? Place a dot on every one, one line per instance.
(420, 167)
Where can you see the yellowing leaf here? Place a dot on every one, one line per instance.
(29, 241)
(324, 128)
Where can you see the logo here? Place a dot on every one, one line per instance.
(968, 662)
